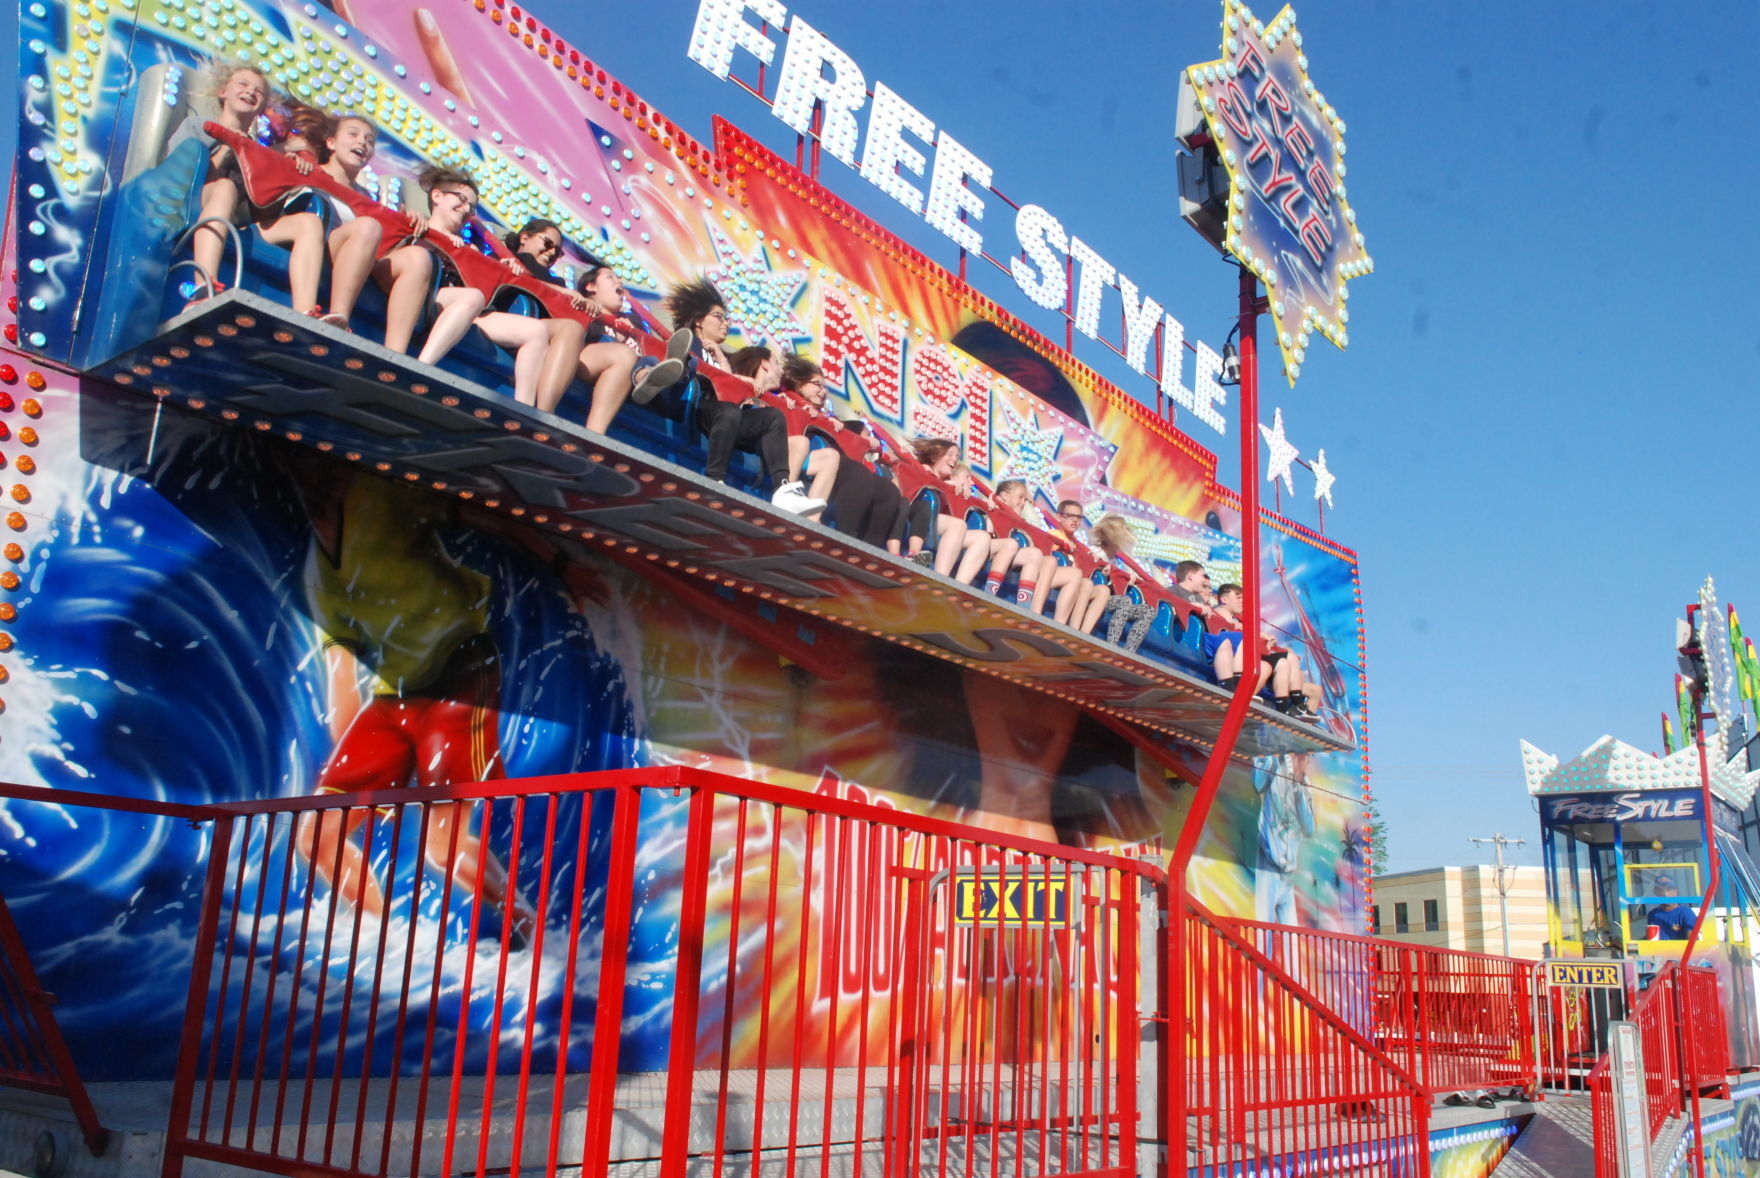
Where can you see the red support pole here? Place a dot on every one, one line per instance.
(681, 1056)
(1232, 722)
(613, 962)
(189, 1047)
(1690, 1048)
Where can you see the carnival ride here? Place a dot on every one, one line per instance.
(739, 844)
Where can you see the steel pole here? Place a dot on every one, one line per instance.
(1179, 1013)
(1689, 1048)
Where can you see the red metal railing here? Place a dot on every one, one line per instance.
(1275, 1072)
(1570, 1030)
(1600, 1084)
(851, 986)
(1682, 1054)
(33, 1055)
(1657, 1013)
(1706, 1059)
(1453, 1020)
(414, 981)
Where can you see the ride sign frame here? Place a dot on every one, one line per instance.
(1282, 144)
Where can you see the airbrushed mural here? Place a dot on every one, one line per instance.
(208, 613)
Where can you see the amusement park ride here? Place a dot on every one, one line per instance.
(405, 779)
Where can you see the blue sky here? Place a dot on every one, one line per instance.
(1541, 430)
(1542, 425)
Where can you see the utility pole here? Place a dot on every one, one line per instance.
(1500, 841)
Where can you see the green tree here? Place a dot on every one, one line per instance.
(1375, 827)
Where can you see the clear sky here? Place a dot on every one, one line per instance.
(1542, 429)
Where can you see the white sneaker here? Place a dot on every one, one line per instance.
(793, 497)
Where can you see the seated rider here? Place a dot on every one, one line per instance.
(698, 308)
(549, 352)
(1006, 553)
(407, 272)
(865, 503)
(341, 149)
(1011, 503)
(758, 427)
(243, 94)
(960, 552)
(1115, 540)
(1082, 597)
(1278, 666)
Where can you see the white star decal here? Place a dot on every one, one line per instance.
(1323, 479)
(1282, 453)
(760, 300)
(1032, 453)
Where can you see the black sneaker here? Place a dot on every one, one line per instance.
(652, 381)
(678, 345)
(1486, 1102)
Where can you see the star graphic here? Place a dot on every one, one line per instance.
(1032, 453)
(1282, 454)
(1283, 147)
(760, 299)
(1323, 479)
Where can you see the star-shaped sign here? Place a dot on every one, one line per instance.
(1032, 452)
(1282, 454)
(1323, 479)
(1283, 147)
(760, 300)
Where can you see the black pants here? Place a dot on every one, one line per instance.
(920, 520)
(756, 428)
(864, 505)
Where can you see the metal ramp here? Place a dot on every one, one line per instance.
(1560, 1141)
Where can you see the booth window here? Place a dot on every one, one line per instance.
(1432, 919)
(1375, 919)
(1400, 925)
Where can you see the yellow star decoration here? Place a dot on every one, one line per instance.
(1283, 147)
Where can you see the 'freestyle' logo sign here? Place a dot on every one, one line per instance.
(1629, 807)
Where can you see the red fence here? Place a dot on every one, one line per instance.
(1681, 1030)
(32, 1053)
(851, 986)
(1705, 1030)
(1600, 1084)
(415, 982)
(1274, 1072)
(1570, 1031)
(1453, 1020)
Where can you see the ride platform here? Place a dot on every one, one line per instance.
(254, 365)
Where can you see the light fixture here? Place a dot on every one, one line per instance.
(1231, 360)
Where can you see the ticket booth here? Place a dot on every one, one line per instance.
(1623, 872)
(1627, 869)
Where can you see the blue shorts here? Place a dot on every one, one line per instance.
(1213, 642)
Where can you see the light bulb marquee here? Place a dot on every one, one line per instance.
(1051, 265)
(1283, 147)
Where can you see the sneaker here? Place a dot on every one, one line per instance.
(651, 382)
(1454, 1100)
(678, 345)
(793, 497)
(1486, 1102)
(203, 293)
(924, 558)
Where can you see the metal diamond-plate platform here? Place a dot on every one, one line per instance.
(250, 362)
